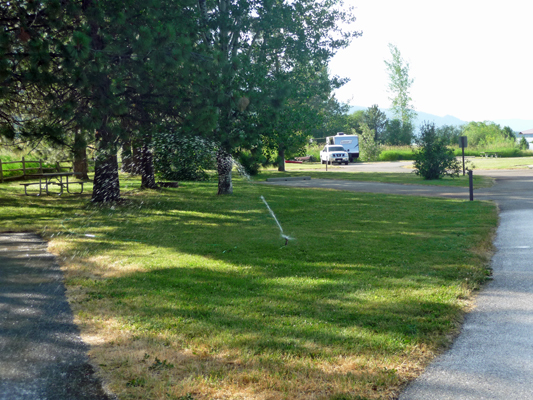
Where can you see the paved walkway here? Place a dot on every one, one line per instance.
(41, 354)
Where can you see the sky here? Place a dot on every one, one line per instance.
(471, 59)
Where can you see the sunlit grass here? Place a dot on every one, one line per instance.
(317, 171)
(181, 291)
(488, 163)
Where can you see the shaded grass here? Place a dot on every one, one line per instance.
(183, 292)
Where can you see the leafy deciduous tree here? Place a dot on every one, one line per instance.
(399, 87)
(242, 37)
(484, 133)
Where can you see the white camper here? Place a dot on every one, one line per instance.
(349, 142)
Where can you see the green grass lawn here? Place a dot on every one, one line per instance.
(384, 177)
(486, 163)
(187, 295)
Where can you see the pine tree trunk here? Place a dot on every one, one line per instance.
(106, 187)
(137, 158)
(224, 167)
(281, 159)
(127, 157)
(148, 176)
(80, 156)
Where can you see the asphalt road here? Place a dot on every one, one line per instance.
(42, 356)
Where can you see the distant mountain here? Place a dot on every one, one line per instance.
(516, 125)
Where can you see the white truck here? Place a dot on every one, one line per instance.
(349, 142)
(333, 154)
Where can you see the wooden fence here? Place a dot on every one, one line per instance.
(30, 167)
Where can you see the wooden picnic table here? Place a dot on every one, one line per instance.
(55, 178)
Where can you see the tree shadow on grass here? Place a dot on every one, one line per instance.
(366, 275)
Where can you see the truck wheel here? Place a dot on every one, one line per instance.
(346, 163)
(322, 162)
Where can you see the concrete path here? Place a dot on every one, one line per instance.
(41, 354)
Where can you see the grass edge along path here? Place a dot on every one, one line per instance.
(382, 177)
(186, 295)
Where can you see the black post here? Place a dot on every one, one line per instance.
(463, 160)
(463, 142)
(471, 181)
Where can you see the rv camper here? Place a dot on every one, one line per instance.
(349, 142)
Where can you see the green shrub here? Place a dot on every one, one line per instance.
(182, 158)
(433, 159)
(370, 149)
(252, 162)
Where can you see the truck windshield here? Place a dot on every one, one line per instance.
(336, 148)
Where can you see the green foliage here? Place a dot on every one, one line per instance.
(159, 365)
(398, 133)
(488, 133)
(433, 159)
(233, 72)
(399, 86)
(270, 53)
(182, 158)
(252, 161)
(524, 144)
(376, 120)
(370, 149)
(398, 154)
(449, 134)
(313, 149)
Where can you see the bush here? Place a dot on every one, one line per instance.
(251, 161)
(433, 159)
(183, 158)
(370, 149)
(524, 144)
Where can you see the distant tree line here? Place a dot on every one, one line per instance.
(394, 132)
